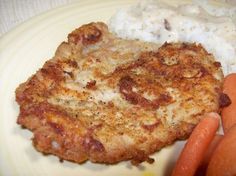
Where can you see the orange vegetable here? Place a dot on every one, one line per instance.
(229, 112)
(196, 146)
(211, 148)
(207, 156)
(222, 162)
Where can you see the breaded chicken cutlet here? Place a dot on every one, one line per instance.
(106, 99)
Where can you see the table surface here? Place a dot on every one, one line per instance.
(14, 12)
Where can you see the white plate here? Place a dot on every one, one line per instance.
(22, 52)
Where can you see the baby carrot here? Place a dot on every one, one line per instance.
(222, 162)
(196, 146)
(208, 154)
(229, 112)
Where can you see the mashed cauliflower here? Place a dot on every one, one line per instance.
(158, 22)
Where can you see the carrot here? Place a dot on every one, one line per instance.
(196, 146)
(211, 148)
(223, 159)
(204, 164)
(229, 112)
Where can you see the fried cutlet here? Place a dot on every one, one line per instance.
(106, 99)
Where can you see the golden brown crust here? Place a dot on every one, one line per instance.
(87, 34)
(107, 99)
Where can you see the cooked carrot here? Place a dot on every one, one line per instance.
(223, 160)
(207, 156)
(196, 146)
(211, 148)
(229, 112)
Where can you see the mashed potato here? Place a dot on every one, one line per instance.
(158, 22)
